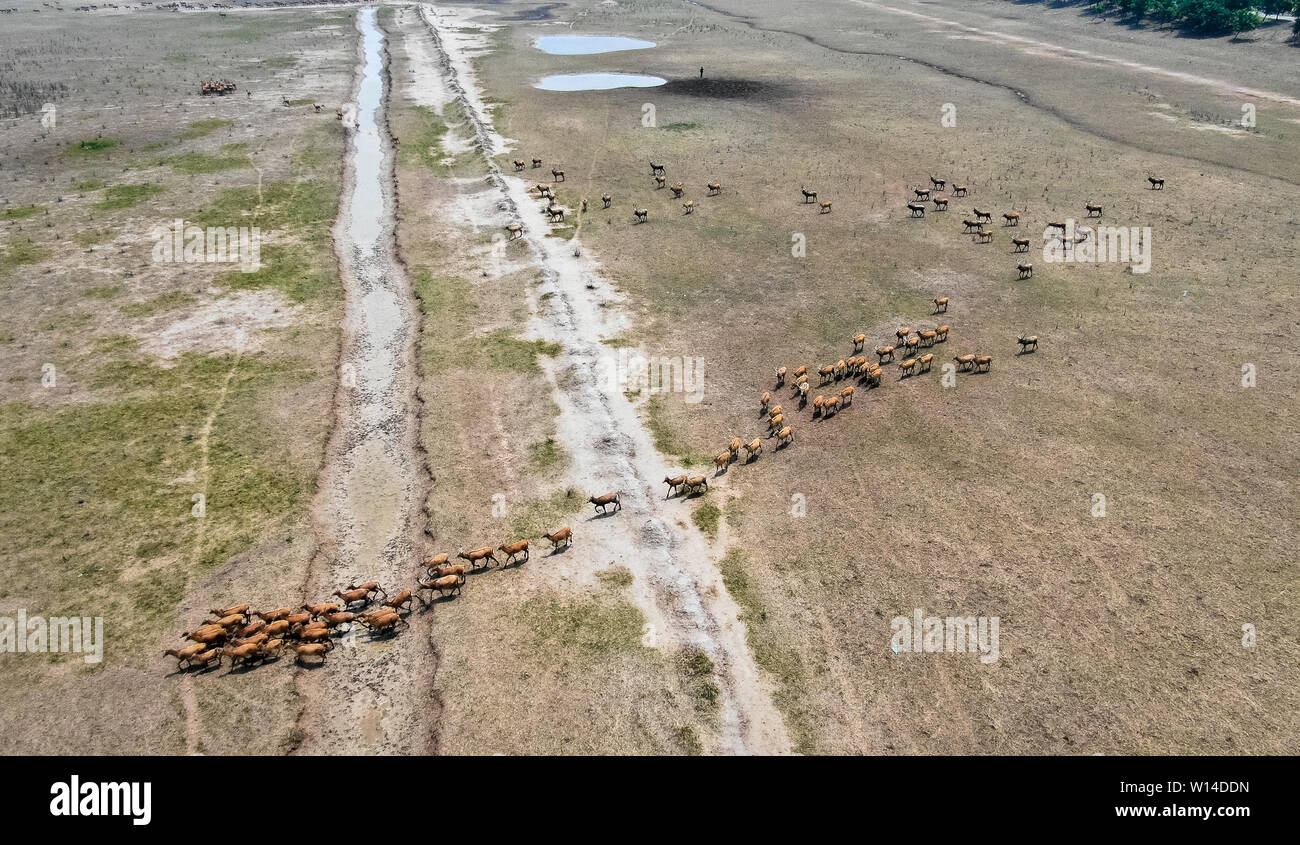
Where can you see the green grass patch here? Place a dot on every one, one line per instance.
(666, 438)
(543, 516)
(159, 304)
(282, 205)
(422, 143)
(706, 518)
(545, 454)
(616, 577)
(90, 237)
(104, 292)
(617, 342)
(20, 212)
(199, 128)
(88, 185)
(680, 127)
(126, 196)
(301, 271)
(90, 147)
(199, 163)
(280, 62)
(696, 671)
(19, 253)
(501, 350)
(557, 627)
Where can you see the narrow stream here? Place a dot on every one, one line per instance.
(368, 506)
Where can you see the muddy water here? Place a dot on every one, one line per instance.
(370, 697)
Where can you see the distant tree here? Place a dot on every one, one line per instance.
(1135, 8)
(1244, 20)
(1209, 16)
(1276, 8)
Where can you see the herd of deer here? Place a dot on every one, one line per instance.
(307, 631)
(976, 229)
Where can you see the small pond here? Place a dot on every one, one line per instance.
(584, 45)
(598, 81)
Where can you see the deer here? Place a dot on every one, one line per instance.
(715, 188)
(765, 400)
(1093, 210)
(736, 443)
(311, 650)
(660, 182)
(825, 207)
(831, 406)
(964, 361)
(557, 175)
(922, 194)
(937, 184)
(841, 368)
(859, 340)
(642, 215)
(1026, 270)
(784, 437)
(819, 403)
(754, 448)
(450, 569)
(902, 333)
(928, 337)
(444, 585)
(721, 461)
(520, 164)
(403, 599)
(772, 413)
(924, 361)
(1020, 244)
(1026, 342)
(846, 396)
(656, 168)
(697, 484)
(1011, 218)
(537, 162)
(689, 205)
(516, 230)
(242, 654)
(983, 215)
(674, 483)
(677, 189)
(908, 367)
(606, 199)
(603, 502)
(513, 550)
(967, 225)
(473, 556)
(827, 373)
(801, 384)
(775, 423)
(916, 209)
(959, 190)
(564, 536)
(940, 203)
(352, 596)
(555, 212)
(984, 236)
(940, 304)
(803, 395)
(780, 376)
(437, 560)
(984, 362)
(912, 343)
(237, 610)
(273, 615)
(184, 655)
(808, 196)
(884, 352)
(941, 333)
(1156, 184)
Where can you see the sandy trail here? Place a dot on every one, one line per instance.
(374, 696)
(676, 585)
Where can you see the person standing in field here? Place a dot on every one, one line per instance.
(701, 73)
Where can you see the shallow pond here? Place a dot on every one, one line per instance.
(583, 45)
(598, 81)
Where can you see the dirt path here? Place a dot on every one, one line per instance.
(677, 585)
(373, 697)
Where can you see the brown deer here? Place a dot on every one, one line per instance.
(784, 437)
(1156, 184)
(715, 188)
(677, 189)
(1093, 210)
(537, 162)
(689, 205)
(557, 175)
(520, 164)
(959, 190)
(937, 184)
(808, 196)
(1021, 244)
(983, 215)
(603, 502)
(940, 203)
(1026, 342)
(642, 215)
(1026, 270)
(940, 304)
(984, 362)
(924, 361)
(916, 209)
(1011, 218)
(656, 168)
(564, 535)
(825, 206)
